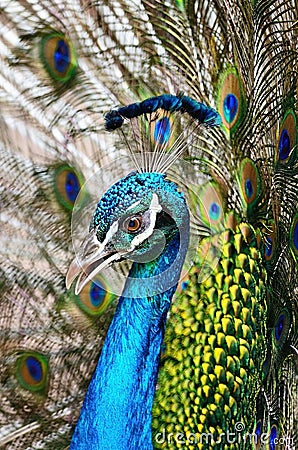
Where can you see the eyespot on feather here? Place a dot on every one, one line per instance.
(257, 434)
(231, 104)
(281, 328)
(211, 205)
(273, 437)
(32, 371)
(270, 239)
(58, 57)
(249, 181)
(161, 128)
(95, 297)
(287, 139)
(67, 185)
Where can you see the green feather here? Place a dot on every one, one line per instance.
(214, 347)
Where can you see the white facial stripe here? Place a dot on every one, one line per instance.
(113, 230)
(154, 205)
(154, 208)
(134, 205)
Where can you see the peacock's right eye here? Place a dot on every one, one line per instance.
(133, 224)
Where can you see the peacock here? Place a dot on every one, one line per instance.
(148, 149)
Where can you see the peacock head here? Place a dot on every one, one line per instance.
(135, 219)
(140, 214)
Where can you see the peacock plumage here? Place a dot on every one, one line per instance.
(195, 227)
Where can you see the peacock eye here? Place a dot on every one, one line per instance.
(133, 224)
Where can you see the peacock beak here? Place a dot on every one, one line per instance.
(92, 257)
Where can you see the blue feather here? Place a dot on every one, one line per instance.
(198, 111)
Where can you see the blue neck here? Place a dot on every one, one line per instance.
(116, 413)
